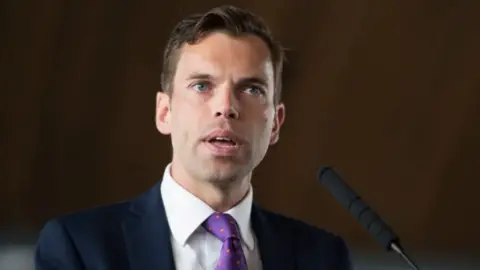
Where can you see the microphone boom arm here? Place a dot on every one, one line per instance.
(370, 220)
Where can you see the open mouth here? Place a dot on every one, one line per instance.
(222, 141)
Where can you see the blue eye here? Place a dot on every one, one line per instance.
(200, 87)
(253, 90)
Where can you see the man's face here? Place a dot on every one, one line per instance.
(221, 115)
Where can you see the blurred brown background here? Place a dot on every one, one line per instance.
(387, 92)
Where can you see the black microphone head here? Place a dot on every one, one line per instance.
(347, 197)
(334, 183)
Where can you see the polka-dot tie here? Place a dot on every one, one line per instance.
(224, 227)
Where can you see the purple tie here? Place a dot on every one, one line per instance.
(224, 227)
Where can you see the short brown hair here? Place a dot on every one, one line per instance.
(232, 20)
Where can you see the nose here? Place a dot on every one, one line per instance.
(226, 104)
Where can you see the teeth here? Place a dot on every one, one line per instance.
(222, 139)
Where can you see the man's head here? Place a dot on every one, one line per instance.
(232, 20)
(221, 94)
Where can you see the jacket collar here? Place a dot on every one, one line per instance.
(147, 235)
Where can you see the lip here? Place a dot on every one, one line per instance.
(224, 133)
(222, 150)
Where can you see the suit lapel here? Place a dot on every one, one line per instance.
(275, 243)
(147, 234)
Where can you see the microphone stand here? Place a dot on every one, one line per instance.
(398, 249)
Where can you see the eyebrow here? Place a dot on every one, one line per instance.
(243, 81)
(199, 76)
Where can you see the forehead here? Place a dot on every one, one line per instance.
(221, 54)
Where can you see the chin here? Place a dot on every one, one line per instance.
(223, 171)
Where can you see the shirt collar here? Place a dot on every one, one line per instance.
(185, 212)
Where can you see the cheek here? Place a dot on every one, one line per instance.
(264, 121)
(268, 117)
(185, 123)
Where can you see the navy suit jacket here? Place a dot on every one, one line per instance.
(135, 235)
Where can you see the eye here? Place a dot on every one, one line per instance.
(201, 86)
(254, 90)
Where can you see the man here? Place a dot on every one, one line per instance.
(221, 106)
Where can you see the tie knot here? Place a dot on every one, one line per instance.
(222, 226)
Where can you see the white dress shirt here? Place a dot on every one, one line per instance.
(194, 247)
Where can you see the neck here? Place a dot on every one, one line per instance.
(219, 196)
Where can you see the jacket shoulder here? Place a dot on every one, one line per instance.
(300, 228)
(86, 226)
(313, 245)
(65, 241)
(97, 216)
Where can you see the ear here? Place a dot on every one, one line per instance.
(162, 113)
(277, 123)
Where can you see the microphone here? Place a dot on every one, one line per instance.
(370, 220)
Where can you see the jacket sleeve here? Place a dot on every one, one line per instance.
(55, 249)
